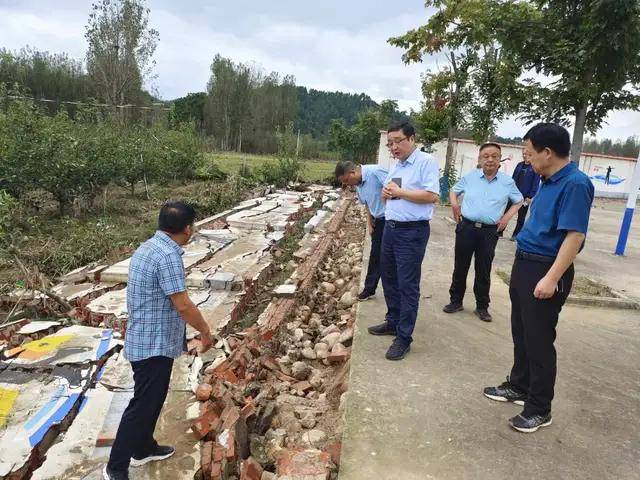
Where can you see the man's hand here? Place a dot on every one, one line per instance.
(545, 288)
(457, 212)
(391, 191)
(206, 340)
(370, 227)
(503, 222)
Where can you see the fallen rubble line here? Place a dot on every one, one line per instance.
(222, 426)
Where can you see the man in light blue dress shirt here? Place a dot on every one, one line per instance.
(411, 190)
(369, 181)
(480, 219)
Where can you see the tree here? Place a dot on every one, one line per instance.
(121, 48)
(45, 75)
(189, 109)
(589, 48)
(318, 109)
(478, 86)
(360, 142)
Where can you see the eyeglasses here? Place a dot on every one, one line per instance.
(394, 141)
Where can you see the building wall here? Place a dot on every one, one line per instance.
(594, 165)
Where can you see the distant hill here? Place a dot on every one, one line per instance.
(316, 109)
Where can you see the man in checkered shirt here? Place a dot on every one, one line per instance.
(159, 309)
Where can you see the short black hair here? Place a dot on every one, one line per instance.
(175, 216)
(550, 135)
(407, 129)
(343, 167)
(489, 144)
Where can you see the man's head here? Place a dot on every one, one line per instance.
(548, 145)
(489, 158)
(348, 173)
(401, 140)
(526, 157)
(177, 219)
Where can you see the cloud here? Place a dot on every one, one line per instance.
(329, 45)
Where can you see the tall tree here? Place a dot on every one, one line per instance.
(478, 85)
(121, 48)
(590, 50)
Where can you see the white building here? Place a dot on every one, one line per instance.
(593, 164)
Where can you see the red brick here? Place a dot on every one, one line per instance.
(270, 363)
(339, 357)
(224, 365)
(203, 392)
(285, 378)
(229, 376)
(205, 463)
(334, 449)
(230, 454)
(251, 470)
(302, 387)
(230, 416)
(304, 462)
(248, 410)
(216, 471)
(218, 453)
(206, 423)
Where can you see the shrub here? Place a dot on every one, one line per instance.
(282, 172)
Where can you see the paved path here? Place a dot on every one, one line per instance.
(425, 417)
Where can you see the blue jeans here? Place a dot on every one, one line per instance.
(403, 250)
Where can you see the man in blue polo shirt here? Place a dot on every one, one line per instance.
(480, 219)
(542, 274)
(411, 190)
(369, 181)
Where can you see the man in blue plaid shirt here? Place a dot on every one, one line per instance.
(159, 309)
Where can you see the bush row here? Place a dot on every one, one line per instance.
(73, 159)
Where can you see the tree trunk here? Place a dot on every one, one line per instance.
(450, 140)
(578, 133)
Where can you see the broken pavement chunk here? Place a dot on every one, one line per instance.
(285, 290)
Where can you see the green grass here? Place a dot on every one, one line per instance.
(111, 229)
(230, 162)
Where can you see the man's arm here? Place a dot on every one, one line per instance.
(508, 215)
(191, 315)
(418, 196)
(455, 206)
(569, 249)
(370, 221)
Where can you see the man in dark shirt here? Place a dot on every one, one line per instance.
(527, 181)
(542, 274)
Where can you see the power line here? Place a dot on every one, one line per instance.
(68, 102)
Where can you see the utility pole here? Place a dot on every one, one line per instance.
(298, 145)
(628, 213)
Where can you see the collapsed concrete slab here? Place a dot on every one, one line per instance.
(42, 387)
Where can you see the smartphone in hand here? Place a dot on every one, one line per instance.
(397, 181)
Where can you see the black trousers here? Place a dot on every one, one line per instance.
(533, 327)
(522, 216)
(135, 433)
(481, 244)
(373, 270)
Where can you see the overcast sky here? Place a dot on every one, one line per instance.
(327, 45)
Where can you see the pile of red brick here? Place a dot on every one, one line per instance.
(237, 393)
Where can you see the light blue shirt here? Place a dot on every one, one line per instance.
(418, 172)
(485, 201)
(155, 328)
(370, 190)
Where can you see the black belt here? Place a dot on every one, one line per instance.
(534, 257)
(479, 224)
(420, 223)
